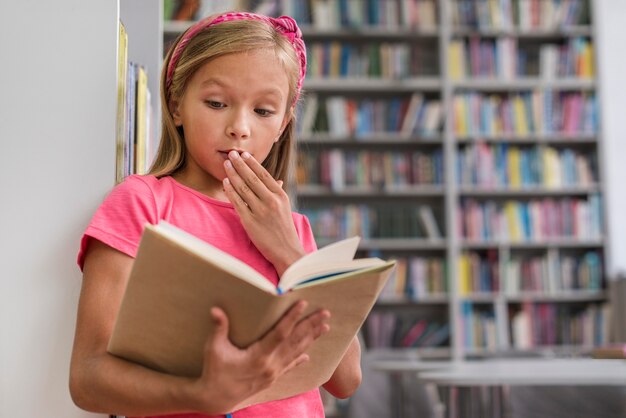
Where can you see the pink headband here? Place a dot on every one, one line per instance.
(284, 24)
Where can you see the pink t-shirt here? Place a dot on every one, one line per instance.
(120, 220)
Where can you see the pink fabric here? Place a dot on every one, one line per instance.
(283, 24)
(120, 220)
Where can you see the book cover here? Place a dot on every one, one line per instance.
(164, 319)
(429, 222)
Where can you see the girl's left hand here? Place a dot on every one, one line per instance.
(264, 209)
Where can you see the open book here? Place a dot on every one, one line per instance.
(164, 318)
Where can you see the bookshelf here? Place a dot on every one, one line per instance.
(531, 237)
(507, 154)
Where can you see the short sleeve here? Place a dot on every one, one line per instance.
(120, 219)
(303, 226)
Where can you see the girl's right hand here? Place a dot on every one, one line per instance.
(232, 374)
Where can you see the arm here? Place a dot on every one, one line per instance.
(264, 209)
(347, 377)
(265, 213)
(100, 382)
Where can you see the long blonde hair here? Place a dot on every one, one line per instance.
(219, 40)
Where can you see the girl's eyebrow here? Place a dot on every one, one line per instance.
(270, 91)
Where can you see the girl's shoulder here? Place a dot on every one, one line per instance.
(144, 184)
(139, 181)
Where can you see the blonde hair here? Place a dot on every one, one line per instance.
(222, 39)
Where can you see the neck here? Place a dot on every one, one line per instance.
(205, 184)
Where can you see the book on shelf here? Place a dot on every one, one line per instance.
(164, 318)
(122, 68)
(389, 329)
(429, 222)
(136, 141)
(308, 114)
(141, 131)
(131, 119)
(411, 117)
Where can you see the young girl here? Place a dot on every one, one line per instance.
(228, 90)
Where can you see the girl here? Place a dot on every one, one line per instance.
(228, 90)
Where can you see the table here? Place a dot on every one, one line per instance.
(396, 368)
(487, 382)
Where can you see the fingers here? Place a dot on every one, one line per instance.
(249, 178)
(282, 349)
(303, 358)
(285, 326)
(292, 336)
(220, 319)
(221, 326)
(262, 174)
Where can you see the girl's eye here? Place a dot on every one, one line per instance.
(264, 112)
(214, 104)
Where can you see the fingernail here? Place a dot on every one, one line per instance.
(228, 164)
(245, 155)
(226, 181)
(233, 154)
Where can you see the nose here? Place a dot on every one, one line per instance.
(238, 126)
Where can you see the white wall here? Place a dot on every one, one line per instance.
(57, 121)
(611, 34)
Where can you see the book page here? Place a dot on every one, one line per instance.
(319, 262)
(214, 255)
(338, 271)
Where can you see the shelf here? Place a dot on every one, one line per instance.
(373, 85)
(398, 301)
(173, 27)
(572, 296)
(541, 34)
(368, 32)
(552, 350)
(382, 138)
(403, 244)
(521, 84)
(527, 191)
(548, 139)
(480, 297)
(395, 244)
(539, 351)
(313, 191)
(423, 353)
(552, 243)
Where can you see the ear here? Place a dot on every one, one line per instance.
(173, 107)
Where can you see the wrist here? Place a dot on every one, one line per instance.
(194, 394)
(287, 258)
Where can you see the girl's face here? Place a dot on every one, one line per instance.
(234, 102)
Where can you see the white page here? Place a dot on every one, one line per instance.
(337, 252)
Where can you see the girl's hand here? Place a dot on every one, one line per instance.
(232, 375)
(264, 209)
